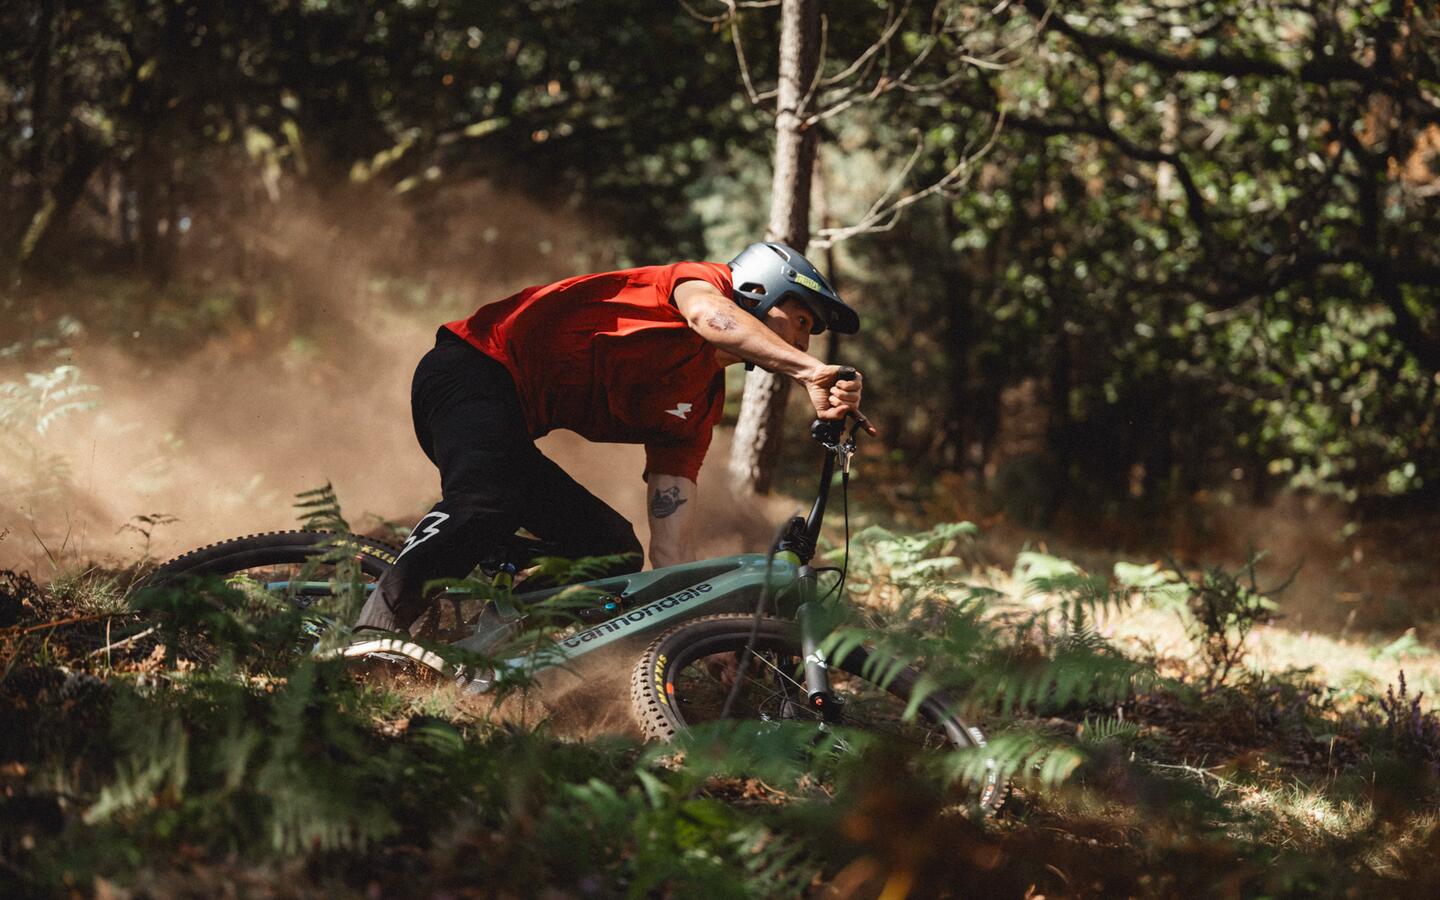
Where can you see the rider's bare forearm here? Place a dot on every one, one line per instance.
(732, 331)
(671, 502)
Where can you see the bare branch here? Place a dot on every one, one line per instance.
(711, 20)
(885, 37)
(814, 84)
(731, 6)
(883, 217)
(899, 179)
(886, 82)
(740, 58)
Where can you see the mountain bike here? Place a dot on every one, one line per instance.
(738, 637)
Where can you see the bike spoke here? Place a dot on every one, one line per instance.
(772, 693)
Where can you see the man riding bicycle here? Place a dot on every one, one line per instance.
(634, 356)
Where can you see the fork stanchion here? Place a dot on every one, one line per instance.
(818, 694)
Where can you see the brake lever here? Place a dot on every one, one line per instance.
(837, 437)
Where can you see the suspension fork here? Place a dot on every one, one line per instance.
(818, 695)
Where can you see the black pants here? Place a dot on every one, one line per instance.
(493, 480)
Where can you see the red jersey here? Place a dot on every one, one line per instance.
(610, 357)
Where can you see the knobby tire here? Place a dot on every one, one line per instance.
(669, 692)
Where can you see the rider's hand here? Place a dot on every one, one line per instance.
(834, 399)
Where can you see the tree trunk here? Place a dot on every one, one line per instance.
(35, 207)
(762, 411)
(50, 218)
(960, 433)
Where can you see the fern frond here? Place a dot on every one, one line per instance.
(1018, 755)
(1095, 732)
(319, 510)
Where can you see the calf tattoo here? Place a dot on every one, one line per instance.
(664, 503)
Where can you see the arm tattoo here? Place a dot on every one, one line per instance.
(720, 321)
(664, 503)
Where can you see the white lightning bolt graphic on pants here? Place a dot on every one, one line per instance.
(422, 533)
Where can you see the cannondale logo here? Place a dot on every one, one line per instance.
(423, 532)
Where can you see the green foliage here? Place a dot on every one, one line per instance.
(1022, 756)
(1220, 609)
(680, 842)
(1198, 244)
(319, 510)
(1184, 247)
(29, 409)
(294, 770)
(1044, 657)
(1101, 731)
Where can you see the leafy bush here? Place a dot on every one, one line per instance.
(1219, 608)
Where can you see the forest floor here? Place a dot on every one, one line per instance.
(189, 761)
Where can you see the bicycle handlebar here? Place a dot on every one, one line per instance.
(829, 432)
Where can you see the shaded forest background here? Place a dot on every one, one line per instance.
(1145, 286)
(1149, 262)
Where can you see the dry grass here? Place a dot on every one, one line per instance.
(1346, 661)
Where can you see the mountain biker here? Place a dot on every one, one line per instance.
(634, 356)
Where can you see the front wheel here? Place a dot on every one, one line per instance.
(687, 676)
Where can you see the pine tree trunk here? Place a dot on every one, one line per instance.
(762, 411)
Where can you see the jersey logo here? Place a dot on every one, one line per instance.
(680, 411)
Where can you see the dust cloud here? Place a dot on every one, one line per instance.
(1336, 573)
(224, 436)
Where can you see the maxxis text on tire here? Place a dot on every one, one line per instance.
(276, 548)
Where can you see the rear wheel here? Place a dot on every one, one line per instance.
(687, 676)
(324, 574)
(305, 568)
(280, 552)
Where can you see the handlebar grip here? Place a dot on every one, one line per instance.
(826, 431)
(846, 373)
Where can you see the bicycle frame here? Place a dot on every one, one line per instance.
(647, 602)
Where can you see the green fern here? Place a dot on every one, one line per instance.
(1018, 755)
(44, 399)
(1109, 730)
(319, 510)
(29, 409)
